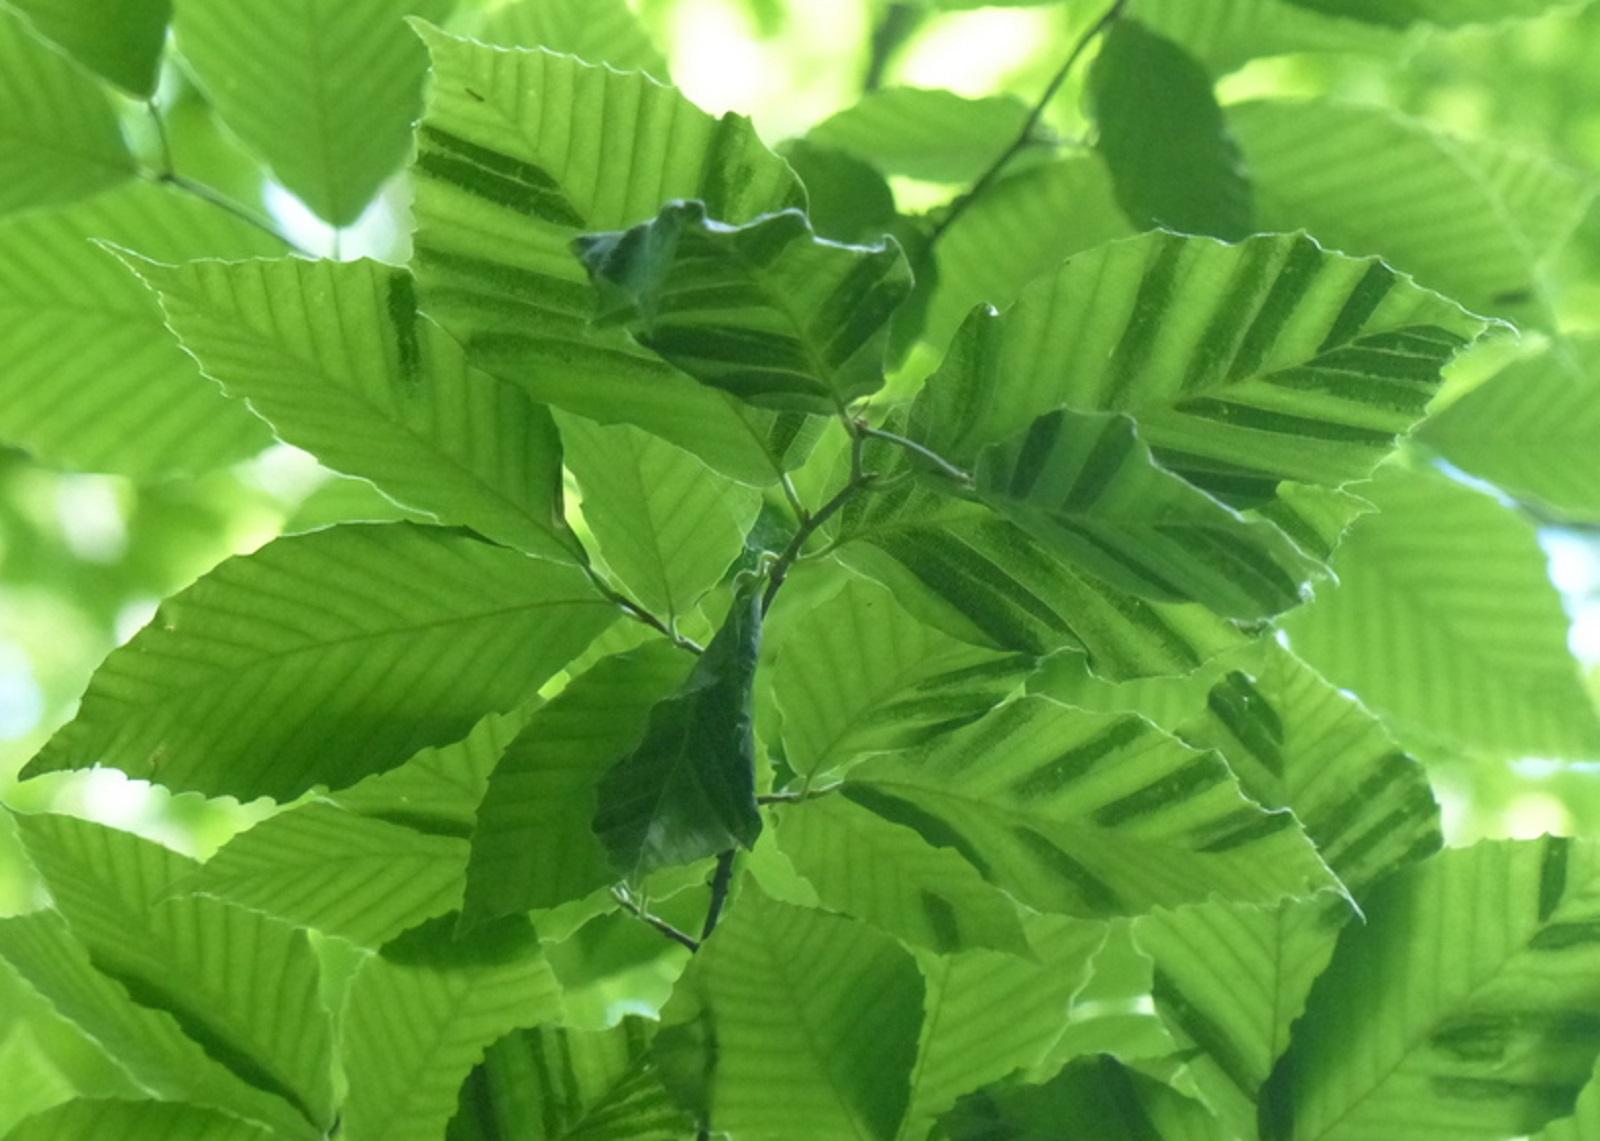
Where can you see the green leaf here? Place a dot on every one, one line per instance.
(59, 138)
(1243, 365)
(89, 1119)
(849, 200)
(1583, 1125)
(958, 566)
(1086, 486)
(1230, 980)
(1019, 229)
(320, 866)
(1530, 429)
(1090, 814)
(439, 789)
(501, 193)
(420, 1016)
(596, 31)
(1473, 221)
(667, 525)
(1449, 13)
(325, 657)
(828, 1052)
(1297, 742)
(91, 377)
(1492, 949)
(925, 133)
(687, 790)
(553, 1085)
(766, 311)
(1164, 138)
(989, 1014)
(1227, 33)
(324, 90)
(856, 673)
(182, 956)
(121, 40)
(336, 357)
(1445, 621)
(887, 875)
(534, 845)
(150, 1043)
(1095, 1097)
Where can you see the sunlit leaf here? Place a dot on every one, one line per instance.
(284, 78)
(499, 199)
(767, 312)
(1090, 814)
(89, 375)
(59, 138)
(336, 357)
(263, 678)
(421, 1014)
(1491, 948)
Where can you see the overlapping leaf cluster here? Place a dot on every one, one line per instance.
(976, 742)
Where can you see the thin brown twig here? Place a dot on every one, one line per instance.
(655, 921)
(1031, 125)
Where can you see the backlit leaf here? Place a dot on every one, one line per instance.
(89, 376)
(325, 657)
(338, 359)
(501, 195)
(59, 138)
(324, 90)
(1090, 814)
(421, 1014)
(1087, 487)
(766, 311)
(687, 790)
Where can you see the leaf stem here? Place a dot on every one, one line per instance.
(1031, 125)
(638, 613)
(813, 521)
(655, 921)
(794, 797)
(932, 457)
(168, 175)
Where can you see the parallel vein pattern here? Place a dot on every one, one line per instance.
(1467, 1006)
(325, 657)
(1444, 619)
(1088, 488)
(833, 1065)
(533, 844)
(89, 376)
(856, 673)
(243, 986)
(570, 1085)
(520, 152)
(420, 1015)
(150, 1043)
(667, 525)
(1244, 365)
(1090, 814)
(324, 90)
(338, 359)
(960, 567)
(766, 311)
(887, 875)
(59, 138)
